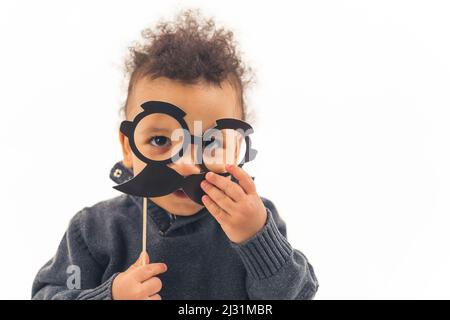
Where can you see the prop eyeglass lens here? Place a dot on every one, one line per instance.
(222, 147)
(158, 136)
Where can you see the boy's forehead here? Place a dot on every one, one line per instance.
(201, 101)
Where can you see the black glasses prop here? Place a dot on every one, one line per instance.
(159, 136)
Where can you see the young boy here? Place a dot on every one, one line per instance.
(233, 246)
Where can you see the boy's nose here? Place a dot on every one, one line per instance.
(187, 164)
(185, 169)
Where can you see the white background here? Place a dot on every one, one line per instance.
(352, 127)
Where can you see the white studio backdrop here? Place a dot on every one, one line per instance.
(352, 113)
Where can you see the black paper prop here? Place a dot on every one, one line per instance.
(159, 136)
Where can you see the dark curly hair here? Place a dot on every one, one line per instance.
(188, 49)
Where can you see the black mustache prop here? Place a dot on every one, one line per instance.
(160, 180)
(157, 178)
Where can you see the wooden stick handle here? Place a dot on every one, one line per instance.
(144, 226)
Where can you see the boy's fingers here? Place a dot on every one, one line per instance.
(141, 260)
(217, 212)
(143, 273)
(245, 181)
(218, 196)
(154, 297)
(147, 258)
(151, 286)
(233, 190)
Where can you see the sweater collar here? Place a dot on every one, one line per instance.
(165, 221)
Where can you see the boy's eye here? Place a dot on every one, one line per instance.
(159, 141)
(208, 142)
(213, 143)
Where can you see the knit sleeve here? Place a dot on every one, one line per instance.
(275, 270)
(73, 273)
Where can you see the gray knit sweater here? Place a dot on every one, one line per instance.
(203, 263)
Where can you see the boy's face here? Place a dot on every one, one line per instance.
(201, 102)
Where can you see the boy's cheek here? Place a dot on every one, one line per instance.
(138, 165)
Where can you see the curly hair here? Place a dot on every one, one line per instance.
(188, 49)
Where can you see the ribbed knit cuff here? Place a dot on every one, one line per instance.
(266, 252)
(102, 292)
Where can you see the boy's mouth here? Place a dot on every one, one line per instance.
(180, 193)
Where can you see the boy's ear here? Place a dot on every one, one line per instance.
(126, 151)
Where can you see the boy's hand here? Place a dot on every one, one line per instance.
(236, 207)
(139, 281)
